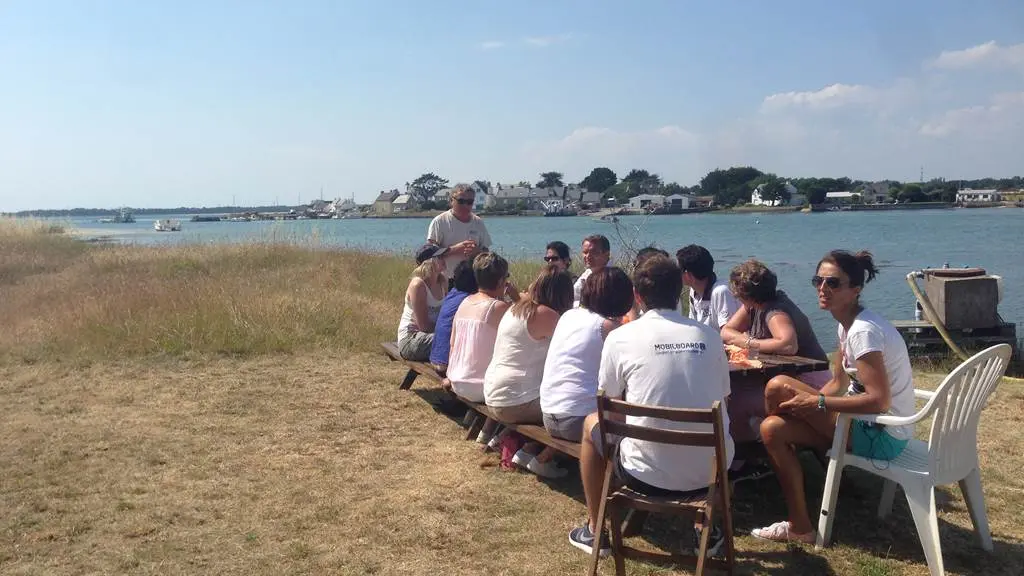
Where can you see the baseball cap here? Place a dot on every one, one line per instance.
(428, 251)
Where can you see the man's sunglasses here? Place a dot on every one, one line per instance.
(552, 258)
(464, 201)
(831, 281)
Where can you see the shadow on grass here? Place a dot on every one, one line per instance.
(857, 526)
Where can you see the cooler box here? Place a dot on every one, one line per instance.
(964, 298)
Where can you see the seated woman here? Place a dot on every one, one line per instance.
(568, 389)
(422, 304)
(769, 322)
(557, 253)
(464, 284)
(871, 375)
(475, 327)
(512, 381)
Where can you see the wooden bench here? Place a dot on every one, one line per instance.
(415, 368)
(531, 431)
(484, 412)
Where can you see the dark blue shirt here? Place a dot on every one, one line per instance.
(443, 328)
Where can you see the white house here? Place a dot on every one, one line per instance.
(646, 201)
(844, 197)
(679, 201)
(795, 198)
(341, 205)
(403, 202)
(967, 195)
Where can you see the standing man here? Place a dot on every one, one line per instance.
(711, 301)
(597, 252)
(660, 359)
(459, 230)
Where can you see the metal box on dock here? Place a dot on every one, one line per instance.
(964, 298)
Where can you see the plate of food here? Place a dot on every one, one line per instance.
(738, 357)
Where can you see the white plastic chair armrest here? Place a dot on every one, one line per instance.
(923, 394)
(888, 420)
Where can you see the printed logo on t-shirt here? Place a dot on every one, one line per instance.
(680, 348)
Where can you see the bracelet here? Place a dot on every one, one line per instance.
(747, 346)
(821, 402)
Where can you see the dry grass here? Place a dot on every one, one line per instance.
(223, 410)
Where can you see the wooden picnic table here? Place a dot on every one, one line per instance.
(774, 364)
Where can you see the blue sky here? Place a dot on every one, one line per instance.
(104, 103)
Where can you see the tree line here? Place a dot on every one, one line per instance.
(735, 185)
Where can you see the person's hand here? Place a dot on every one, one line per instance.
(801, 404)
(464, 248)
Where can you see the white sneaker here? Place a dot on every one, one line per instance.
(483, 438)
(522, 458)
(495, 442)
(546, 469)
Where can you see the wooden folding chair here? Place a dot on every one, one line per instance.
(700, 508)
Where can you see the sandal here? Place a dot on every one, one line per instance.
(780, 532)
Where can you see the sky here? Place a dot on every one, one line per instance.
(106, 103)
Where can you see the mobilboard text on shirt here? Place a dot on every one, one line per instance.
(680, 348)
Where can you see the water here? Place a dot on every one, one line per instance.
(790, 244)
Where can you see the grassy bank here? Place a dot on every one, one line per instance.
(223, 410)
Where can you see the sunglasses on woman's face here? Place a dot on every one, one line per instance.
(831, 281)
(552, 258)
(464, 201)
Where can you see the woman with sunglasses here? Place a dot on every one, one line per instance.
(557, 254)
(459, 230)
(769, 322)
(871, 375)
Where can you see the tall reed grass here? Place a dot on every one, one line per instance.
(63, 299)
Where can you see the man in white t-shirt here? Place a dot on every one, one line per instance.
(711, 301)
(459, 230)
(659, 359)
(597, 252)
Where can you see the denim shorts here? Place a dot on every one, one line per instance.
(870, 440)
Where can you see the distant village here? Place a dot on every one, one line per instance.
(572, 199)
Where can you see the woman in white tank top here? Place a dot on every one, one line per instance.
(512, 381)
(568, 390)
(423, 300)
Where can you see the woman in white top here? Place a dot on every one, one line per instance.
(568, 390)
(423, 299)
(512, 381)
(871, 375)
(711, 301)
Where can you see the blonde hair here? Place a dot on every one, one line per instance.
(430, 270)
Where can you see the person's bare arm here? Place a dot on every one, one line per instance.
(783, 340)
(876, 399)
(416, 293)
(735, 330)
(840, 379)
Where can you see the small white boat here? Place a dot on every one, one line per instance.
(166, 225)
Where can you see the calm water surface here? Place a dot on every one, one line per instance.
(790, 244)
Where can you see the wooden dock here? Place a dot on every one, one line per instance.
(924, 341)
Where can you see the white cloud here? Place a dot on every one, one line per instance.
(545, 41)
(833, 96)
(491, 45)
(990, 54)
(1004, 114)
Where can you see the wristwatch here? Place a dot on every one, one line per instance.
(821, 402)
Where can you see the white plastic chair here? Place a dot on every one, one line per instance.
(950, 455)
